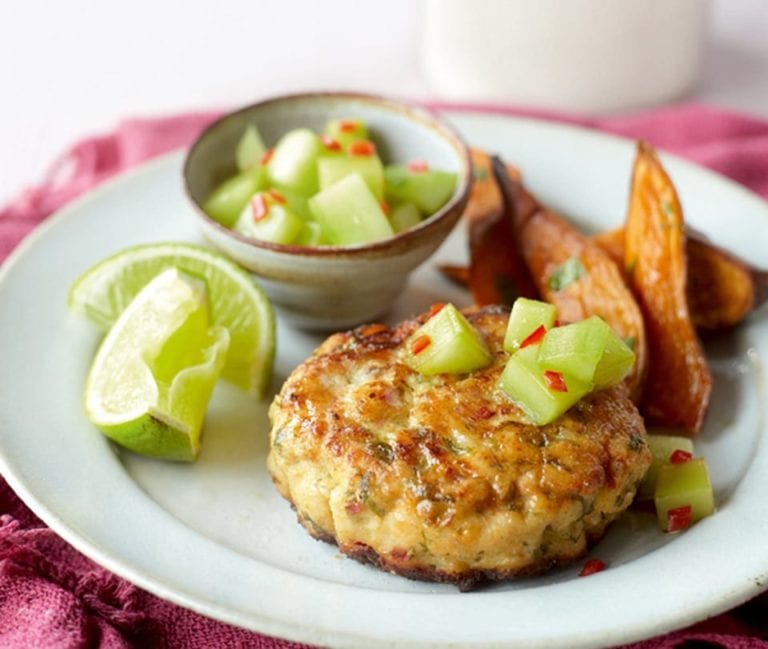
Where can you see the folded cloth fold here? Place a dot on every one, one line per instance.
(53, 596)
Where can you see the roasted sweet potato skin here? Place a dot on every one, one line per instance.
(485, 197)
(497, 273)
(456, 273)
(721, 290)
(679, 382)
(572, 272)
(612, 241)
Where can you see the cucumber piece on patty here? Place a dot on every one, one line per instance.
(525, 382)
(615, 364)
(446, 343)
(526, 317)
(576, 348)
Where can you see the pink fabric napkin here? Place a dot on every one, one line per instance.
(52, 596)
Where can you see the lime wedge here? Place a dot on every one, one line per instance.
(236, 302)
(152, 377)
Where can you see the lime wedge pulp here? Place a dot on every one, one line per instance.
(236, 302)
(153, 375)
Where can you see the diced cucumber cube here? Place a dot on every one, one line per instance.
(279, 224)
(429, 190)
(346, 131)
(615, 364)
(588, 349)
(250, 149)
(523, 380)
(311, 235)
(446, 344)
(293, 165)
(404, 216)
(332, 169)
(227, 201)
(662, 447)
(527, 316)
(681, 486)
(298, 203)
(349, 213)
(575, 349)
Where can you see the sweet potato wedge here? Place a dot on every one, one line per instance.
(495, 270)
(456, 273)
(679, 382)
(497, 273)
(721, 290)
(485, 197)
(612, 241)
(572, 272)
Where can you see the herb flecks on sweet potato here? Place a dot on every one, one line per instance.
(572, 272)
(679, 382)
(497, 274)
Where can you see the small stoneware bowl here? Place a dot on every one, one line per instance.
(327, 287)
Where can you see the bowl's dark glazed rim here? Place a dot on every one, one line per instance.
(450, 211)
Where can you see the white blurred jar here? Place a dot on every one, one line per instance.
(591, 56)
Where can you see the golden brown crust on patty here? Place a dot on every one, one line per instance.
(443, 477)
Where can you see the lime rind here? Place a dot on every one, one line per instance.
(236, 302)
(158, 433)
(154, 436)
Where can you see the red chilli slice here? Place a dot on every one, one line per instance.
(436, 308)
(679, 456)
(373, 329)
(278, 196)
(535, 336)
(346, 126)
(418, 166)
(259, 208)
(267, 156)
(330, 144)
(385, 207)
(679, 518)
(591, 567)
(555, 381)
(362, 148)
(420, 344)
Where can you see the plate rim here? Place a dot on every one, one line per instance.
(268, 625)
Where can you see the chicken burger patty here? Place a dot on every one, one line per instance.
(443, 477)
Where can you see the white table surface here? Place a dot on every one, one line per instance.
(76, 67)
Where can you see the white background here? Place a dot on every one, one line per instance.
(70, 68)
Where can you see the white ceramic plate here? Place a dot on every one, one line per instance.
(215, 537)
